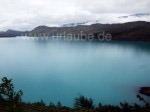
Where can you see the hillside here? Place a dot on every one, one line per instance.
(137, 31)
(134, 31)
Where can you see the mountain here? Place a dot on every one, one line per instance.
(140, 14)
(81, 23)
(72, 24)
(136, 31)
(12, 33)
(136, 15)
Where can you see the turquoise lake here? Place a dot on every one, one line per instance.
(107, 72)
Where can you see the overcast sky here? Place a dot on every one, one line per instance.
(27, 14)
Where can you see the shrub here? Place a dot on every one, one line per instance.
(9, 99)
(83, 102)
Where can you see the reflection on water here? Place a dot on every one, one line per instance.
(108, 72)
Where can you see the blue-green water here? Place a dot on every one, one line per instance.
(108, 72)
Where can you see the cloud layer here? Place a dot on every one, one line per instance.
(27, 14)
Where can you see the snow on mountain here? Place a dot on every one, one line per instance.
(81, 23)
(136, 15)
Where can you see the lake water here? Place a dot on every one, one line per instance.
(107, 72)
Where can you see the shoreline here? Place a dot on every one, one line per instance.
(113, 40)
(8, 37)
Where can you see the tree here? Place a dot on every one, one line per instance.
(59, 104)
(8, 97)
(83, 102)
(52, 105)
(40, 103)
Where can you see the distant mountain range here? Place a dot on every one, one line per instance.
(81, 23)
(12, 33)
(136, 15)
(136, 31)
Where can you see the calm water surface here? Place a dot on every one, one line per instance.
(108, 72)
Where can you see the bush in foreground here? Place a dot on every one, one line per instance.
(9, 99)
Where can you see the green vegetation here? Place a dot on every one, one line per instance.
(84, 103)
(10, 101)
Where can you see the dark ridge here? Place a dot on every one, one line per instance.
(131, 31)
(136, 31)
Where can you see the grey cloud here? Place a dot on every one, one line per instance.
(27, 14)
